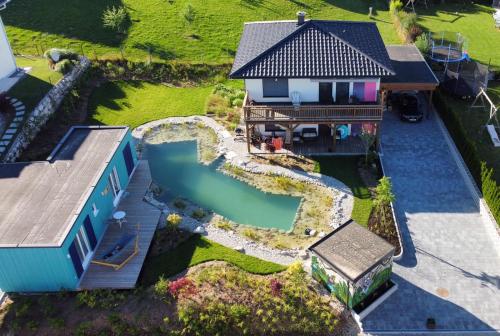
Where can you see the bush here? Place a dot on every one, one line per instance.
(100, 298)
(217, 105)
(173, 220)
(180, 204)
(64, 66)
(491, 191)
(238, 102)
(408, 20)
(55, 55)
(182, 286)
(251, 234)
(189, 13)
(198, 214)
(161, 288)
(224, 225)
(116, 18)
(395, 6)
(422, 43)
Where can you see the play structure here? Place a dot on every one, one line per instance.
(483, 101)
(449, 58)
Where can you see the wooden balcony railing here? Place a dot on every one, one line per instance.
(310, 113)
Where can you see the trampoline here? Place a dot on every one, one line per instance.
(448, 47)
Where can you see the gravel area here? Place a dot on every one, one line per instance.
(236, 154)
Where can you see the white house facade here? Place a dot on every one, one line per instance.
(7, 60)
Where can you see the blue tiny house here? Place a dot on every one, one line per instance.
(53, 213)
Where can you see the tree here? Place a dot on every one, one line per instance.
(383, 199)
(368, 139)
(116, 18)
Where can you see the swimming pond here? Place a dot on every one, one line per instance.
(175, 168)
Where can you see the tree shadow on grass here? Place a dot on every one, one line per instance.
(156, 50)
(68, 18)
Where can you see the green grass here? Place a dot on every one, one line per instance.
(475, 22)
(158, 25)
(134, 103)
(36, 84)
(197, 250)
(345, 169)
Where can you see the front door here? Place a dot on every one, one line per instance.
(325, 93)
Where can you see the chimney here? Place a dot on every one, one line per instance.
(301, 16)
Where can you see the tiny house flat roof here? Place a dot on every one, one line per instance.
(352, 250)
(39, 201)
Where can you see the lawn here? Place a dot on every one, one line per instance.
(134, 103)
(197, 250)
(473, 21)
(31, 89)
(345, 169)
(159, 26)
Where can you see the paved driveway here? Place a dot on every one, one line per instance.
(451, 266)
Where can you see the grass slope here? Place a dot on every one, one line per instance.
(134, 103)
(158, 25)
(197, 250)
(345, 169)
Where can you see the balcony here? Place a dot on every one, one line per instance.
(310, 112)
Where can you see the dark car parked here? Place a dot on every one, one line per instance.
(408, 108)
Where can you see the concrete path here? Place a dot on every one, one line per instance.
(450, 269)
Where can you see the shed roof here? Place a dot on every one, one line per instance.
(314, 49)
(352, 250)
(411, 68)
(41, 200)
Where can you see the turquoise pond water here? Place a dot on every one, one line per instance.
(175, 168)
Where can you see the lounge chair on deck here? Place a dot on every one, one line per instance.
(120, 253)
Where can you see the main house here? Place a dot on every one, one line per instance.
(54, 213)
(318, 84)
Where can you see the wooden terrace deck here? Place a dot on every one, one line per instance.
(138, 211)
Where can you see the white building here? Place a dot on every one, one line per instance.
(7, 60)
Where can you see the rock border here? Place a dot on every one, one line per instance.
(235, 154)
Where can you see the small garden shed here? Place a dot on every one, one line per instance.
(355, 265)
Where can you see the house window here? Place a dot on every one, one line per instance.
(95, 211)
(275, 87)
(82, 245)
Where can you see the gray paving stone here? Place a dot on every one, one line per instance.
(11, 131)
(18, 119)
(2, 149)
(7, 136)
(448, 247)
(4, 143)
(19, 114)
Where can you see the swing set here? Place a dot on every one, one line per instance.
(493, 115)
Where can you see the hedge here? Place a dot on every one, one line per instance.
(482, 174)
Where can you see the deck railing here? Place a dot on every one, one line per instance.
(311, 113)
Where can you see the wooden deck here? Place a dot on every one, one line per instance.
(138, 211)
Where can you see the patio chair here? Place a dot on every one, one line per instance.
(117, 256)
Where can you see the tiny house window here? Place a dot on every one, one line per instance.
(275, 87)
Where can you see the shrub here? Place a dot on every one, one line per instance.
(217, 105)
(56, 323)
(100, 298)
(116, 18)
(491, 191)
(173, 220)
(182, 286)
(161, 288)
(198, 214)
(408, 20)
(224, 225)
(422, 43)
(64, 66)
(276, 286)
(283, 183)
(238, 102)
(55, 55)
(251, 234)
(179, 204)
(395, 6)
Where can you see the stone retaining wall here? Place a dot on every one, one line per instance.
(45, 108)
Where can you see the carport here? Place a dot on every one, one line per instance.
(412, 72)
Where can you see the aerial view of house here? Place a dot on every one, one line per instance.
(274, 167)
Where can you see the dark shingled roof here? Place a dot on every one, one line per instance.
(410, 66)
(352, 250)
(315, 49)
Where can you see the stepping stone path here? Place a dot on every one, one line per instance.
(14, 125)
